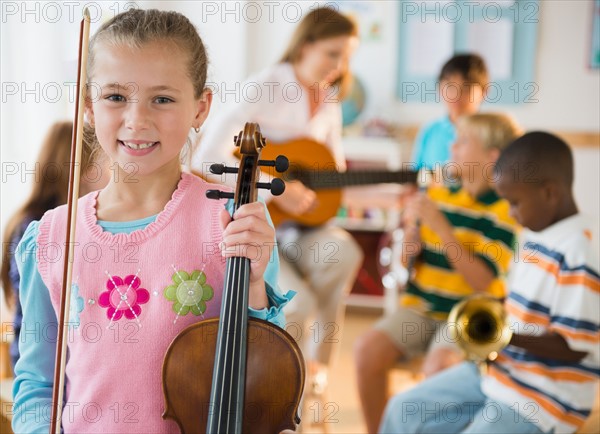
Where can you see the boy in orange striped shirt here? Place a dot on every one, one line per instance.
(545, 379)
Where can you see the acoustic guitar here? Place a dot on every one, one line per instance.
(313, 164)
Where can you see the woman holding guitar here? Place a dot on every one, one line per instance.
(299, 98)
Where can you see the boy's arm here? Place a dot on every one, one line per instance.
(549, 346)
(572, 298)
(417, 154)
(475, 270)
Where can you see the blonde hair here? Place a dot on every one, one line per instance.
(494, 130)
(136, 28)
(321, 23)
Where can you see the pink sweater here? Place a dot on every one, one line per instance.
(132, 294)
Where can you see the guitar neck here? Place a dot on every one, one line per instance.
(327, 179)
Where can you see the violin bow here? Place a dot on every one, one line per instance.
(73, 195)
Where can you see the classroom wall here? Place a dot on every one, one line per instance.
(238, 45)
(568, 89)
(39, 73)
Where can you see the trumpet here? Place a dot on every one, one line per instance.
(478, 325)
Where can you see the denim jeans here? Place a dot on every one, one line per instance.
(452, 402)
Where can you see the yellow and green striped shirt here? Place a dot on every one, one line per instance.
(483, 227)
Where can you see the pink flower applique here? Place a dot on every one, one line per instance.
(123, 297)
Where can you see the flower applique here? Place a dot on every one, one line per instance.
(75, 307)
(123, 297)
(189, 292)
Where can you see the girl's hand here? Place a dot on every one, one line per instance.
(250, 235)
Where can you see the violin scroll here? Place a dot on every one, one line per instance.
(250, 141)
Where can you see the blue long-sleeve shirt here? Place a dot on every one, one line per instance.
(34, 371)
(433, 143)
(15, 280)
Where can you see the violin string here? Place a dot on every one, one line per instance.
(235, 315)
(236, 298)
(231, 339)
(241, 270)
(239, 328)
(226, 399)
(217, 381)
(245, 293)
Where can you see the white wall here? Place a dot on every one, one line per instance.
(568, 89)
(35, 69)
(569, 92)
(46, 52)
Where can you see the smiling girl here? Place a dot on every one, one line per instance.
(149, 263)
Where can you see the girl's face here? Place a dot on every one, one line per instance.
(326, 59)
(142, 106)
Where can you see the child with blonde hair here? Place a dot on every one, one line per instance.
(458, 241)
(151, 228)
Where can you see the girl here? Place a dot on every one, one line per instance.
(148, 263)
(299, 98)
(50, 192)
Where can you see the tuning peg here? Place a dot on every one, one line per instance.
(281, 163)
(219, 169)
(277, 186)
(218, 194)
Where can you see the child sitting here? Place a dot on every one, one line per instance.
(545, 379)
(462, 246)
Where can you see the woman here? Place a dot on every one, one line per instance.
(299, 97)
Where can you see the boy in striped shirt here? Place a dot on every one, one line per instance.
(544, 380)
(462, 245)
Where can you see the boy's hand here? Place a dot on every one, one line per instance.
(411, 244)
(421, 208)
(250, 235)
(549, 345)
(406, 194)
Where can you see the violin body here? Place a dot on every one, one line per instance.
(235, 374)
(274, 378)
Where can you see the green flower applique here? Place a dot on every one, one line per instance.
(189, 292)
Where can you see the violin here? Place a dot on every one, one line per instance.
(235, 374)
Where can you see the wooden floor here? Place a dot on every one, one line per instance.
(341, 413)
(343, 407)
